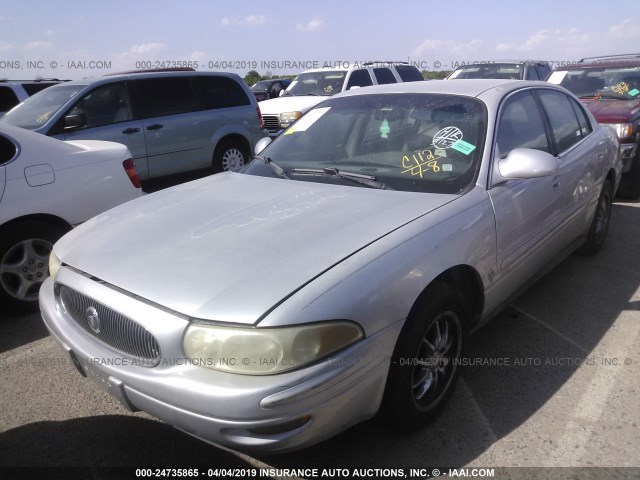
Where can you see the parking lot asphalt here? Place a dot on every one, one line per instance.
(553, 381)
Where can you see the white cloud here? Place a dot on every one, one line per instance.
(569, 41)
(37, 45)
(146, 48)
(629, 28)
(198, 56)
(447, 48)
(49, 32)
(248, 21)
(5, 47)
(311, 26)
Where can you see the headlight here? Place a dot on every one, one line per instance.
(287, 118)
(623, 130)
(54, 265)
(263, 351)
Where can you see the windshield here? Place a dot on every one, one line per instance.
(36, 110)
(413, 142)
(620, 82)
(317, 83)
(261, 85)
(506, 71)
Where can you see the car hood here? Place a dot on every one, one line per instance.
(232, 246)
(613, 111)
(276, 106)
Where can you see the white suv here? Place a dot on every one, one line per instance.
(12, 92)
(313, 86)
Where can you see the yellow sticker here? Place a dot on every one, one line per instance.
(420, 162)
(620, 88)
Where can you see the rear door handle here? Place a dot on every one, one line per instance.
(155, 126)
(128, 131)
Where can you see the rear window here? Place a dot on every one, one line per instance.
(158, 97)
(221, 92)
(32, 88)
(408, 73)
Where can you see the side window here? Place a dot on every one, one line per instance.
(165, 96)
(221, 92)
(409, 73)
(384, 76)
(359, 78)
(8, 150)
(543, 71)
(583, 120)
(104, 105)
(8, 99)
(564, 123)
(532, 73)
(521, 125)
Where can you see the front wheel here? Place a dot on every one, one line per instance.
(426, 360)
(600, 223)
(24, 263)
(230, 156)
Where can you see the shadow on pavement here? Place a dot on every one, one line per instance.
(17, 330)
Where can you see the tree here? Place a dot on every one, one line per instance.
(252, 77)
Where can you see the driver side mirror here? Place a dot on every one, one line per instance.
(75, 120)
(522, 163)
(262, 144)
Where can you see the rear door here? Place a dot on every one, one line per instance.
(581, 160)
(177, 128)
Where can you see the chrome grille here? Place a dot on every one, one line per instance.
(112, 328)
(271, 122)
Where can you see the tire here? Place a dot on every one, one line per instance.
(600, 223)
(24, 263)
(230, 156)
(426, 361)
(629, 188)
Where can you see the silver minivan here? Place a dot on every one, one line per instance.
(172, 121)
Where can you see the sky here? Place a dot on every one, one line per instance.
(76, 39)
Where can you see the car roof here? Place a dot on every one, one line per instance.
(116, 77)
(613, 63)
(470, 87)
(500, 62)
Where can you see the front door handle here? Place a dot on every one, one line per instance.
(155, 126)
(128, 131)
(557, 182)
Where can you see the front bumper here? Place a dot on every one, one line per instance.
(262, 414)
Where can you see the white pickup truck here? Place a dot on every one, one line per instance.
(313, 86)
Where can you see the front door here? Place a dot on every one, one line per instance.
(528, 212)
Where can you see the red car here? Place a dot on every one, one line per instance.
(610, 88)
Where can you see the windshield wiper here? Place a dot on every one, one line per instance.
(281, 172)
(366, 180)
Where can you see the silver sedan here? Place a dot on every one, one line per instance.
(341, 273)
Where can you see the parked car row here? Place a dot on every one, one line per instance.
(313, 86)
(339, 275)
(608, 86)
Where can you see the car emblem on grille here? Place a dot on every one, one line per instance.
(93, 319)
